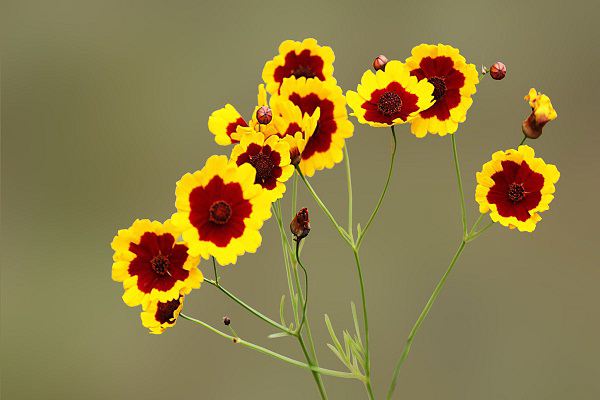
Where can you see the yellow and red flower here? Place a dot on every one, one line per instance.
(152, 264)
(270, 158)
(325, 145)
(454, 83)
(542, 112)
(515, 187)
(160, 315)
(220, 210)
(304, 59)
(390, 96)
(224, 124)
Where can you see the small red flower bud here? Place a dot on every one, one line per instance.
(264, 115)
(498, 71)
(226, 320)
(300, 225)
(379, 62)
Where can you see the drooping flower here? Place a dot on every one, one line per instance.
(300, 224)
(304, 59)
(515, 187)
(325, 145)
(390, 96)
(160, 315)
(152, 264)
(220, 210)
(542, 112)
(224, 123)
(270, 158)
(454, 83)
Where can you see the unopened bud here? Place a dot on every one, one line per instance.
(484, 70)
(264, 115)
(379, 62)
(300, 225)
(498, 71)
(226, 320)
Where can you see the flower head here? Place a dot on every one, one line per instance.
(269, 157)
(224, 123)
(515, 187)
(390, 96)
(454, 83)
(160, 315)
(152, 264)
(304, 59)
(324, 147)
(220, 210)
(541, 113)
(300, 225)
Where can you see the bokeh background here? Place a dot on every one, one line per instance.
(104, 107)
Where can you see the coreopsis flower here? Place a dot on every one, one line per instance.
(454, 83)
(390, 96)
(325, 145)
(304, 59)
(224, 123)
(220, 210)
(270, 158)
(152, 263)
(300, 224)
(515, 187)
(541, 113)
(160, 315)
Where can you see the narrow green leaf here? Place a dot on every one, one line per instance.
(338, 355)
(336, 342)
(277, 335)
(356, 325)
(281, 310)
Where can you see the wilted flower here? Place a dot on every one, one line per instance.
(541, 113)
(300, 225)
(379, 62)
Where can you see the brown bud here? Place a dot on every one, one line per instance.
(379, 62)
(226, 320)
(498, 71)
(264, 115)
(300, 225)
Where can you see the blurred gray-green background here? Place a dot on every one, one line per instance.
(104, 107)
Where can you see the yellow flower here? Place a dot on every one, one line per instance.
(220, 210)
(269, 157)
(224, 124)
(325, 145)
(152, 264)
(390, 96)
(159, 315)
(454, 83)
(299, 59)
(515, 187)
(541, 113)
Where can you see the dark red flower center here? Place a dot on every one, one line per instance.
(263, 164)
(165, 312)
(219, 212)
(389, 104)
(439, 87)
(303, 71)
(516, 192)
(160, 264)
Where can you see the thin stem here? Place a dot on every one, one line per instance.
(476, 224)
(523, 141)
(463, 209)
(249, 308)
(337, 226)
(385, 188)
(264, 350)
(305, 301)
(424, 313)
(294, 194)
(475, 235)
(349, 182)
(214, 263)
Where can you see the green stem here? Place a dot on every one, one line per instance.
(337, 226)
(305, 300)
(264, 350)
(463, 209)
(349, 182)
(424, 313)
(475, 235)
(249, 308)
(214, 263)
(361, 235)
(294, 195)
(523, 141)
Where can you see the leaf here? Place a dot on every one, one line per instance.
(336, 342)
(281, 310)
(277, 335)
(337, 354)
(358, 229)
(354, 316)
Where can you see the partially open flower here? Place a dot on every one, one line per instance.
(152, 264)
(498, 71)
(379, 62)
(158, 316)
(300, 225)
(515, 187)
(541, 113)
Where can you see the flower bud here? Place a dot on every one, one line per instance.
(300, 225)
(542, 112)
(498, 71)
(226, 320)
(264, 115)
(379, 62)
